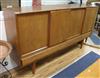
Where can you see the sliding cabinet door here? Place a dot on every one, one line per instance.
(58, 26)
(32, 31)
(76, 23)
(65, 24)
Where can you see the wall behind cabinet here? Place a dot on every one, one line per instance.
(6, 3)
(49, 2)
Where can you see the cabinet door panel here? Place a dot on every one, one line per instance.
(32, 31)
(89, 19)
(59, 21)
(65, 24)
(76, 21)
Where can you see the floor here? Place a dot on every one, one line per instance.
(91, 43)
(47, 67)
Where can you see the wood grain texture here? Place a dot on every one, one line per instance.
(50, 67)
(39, 55)
(89, 20)
(32, 31)
(45, 8)
(59, 19)
(76, 18)
(65, 24)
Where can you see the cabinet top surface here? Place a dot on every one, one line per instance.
(45, 8)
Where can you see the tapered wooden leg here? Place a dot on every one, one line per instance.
(99, 33)
(81, 43)
(33, 68)
(86, 39)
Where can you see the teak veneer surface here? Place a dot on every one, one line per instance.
(43, 8)
(37, 32)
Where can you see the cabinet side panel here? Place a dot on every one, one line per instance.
(11, 32)
(10, 25)
(90, 18)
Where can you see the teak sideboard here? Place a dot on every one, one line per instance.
(36, 32)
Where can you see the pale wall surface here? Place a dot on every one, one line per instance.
(49, 2)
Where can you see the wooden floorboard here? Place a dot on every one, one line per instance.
(48, 67)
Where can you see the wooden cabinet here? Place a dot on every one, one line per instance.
(65, 24)
(89, 19)
(32, 31)
(37, 32)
